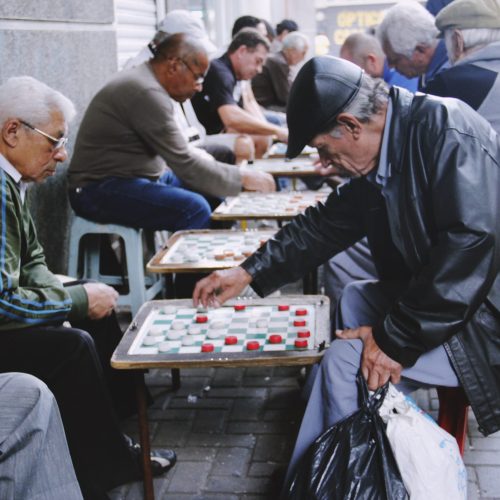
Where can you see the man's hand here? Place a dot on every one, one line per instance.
(377, 367)
(282, 134)
(102, 299)
(253, 180)
(220, 286)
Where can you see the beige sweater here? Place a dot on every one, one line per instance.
(129, 130)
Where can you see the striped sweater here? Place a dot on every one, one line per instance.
(29, 293)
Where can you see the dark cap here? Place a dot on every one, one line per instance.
(324, 87)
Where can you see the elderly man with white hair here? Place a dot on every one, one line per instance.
(272, 86)
(72, 361)
(471, 29)
(408, 36)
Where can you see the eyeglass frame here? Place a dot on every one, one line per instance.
(198, 80)
(56, 143)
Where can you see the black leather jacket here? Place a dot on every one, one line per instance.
(436, 226)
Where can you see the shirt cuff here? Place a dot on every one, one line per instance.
(79, 308)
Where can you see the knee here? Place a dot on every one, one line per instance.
(341, 358)
(197, 214)
(262, 143)
(244, 148)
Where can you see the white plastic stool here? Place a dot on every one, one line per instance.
(141, 288)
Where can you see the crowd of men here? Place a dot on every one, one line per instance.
(409, 239)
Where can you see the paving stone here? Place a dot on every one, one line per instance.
(260, 371)
(483, 458)
(471, 474)
(230, 377)
(195, 454)
(189, 477)
(226, 440)
(182, 414)
(210, 421)
(172, 434)
(282, 397)
(473, 492)
(291, 415)
(488, 481)
(269, 381)
(231, 462)
(482, 443)
(263, 469)
(260, 427)
(203, 402)
(229, 484)
(238, 392)
(273, 449)
(247, 409)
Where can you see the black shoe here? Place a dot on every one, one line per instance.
(162, 459)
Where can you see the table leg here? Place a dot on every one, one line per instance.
(140, 387)
(169, 286)
(176, 378)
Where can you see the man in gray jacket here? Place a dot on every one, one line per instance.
(424, 190)
(129, 136)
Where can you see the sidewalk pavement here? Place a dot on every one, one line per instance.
(234, 429)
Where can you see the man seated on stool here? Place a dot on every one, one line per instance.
(424, 190)
(219, 108)
(129, 135)
(73, 362)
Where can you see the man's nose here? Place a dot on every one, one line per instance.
(60, 154)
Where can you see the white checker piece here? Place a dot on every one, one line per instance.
(150, 341)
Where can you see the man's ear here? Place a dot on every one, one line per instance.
(351, 123)
(10, 131)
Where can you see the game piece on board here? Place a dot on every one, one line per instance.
(187, 340)
(156, 330)
(177, 325)
(239, 307)
(231, 340)
(207, 348)
(301, 312)
(169, 309)
(216, 325)
(194, 330)
(219, 256)
(151, 340)
(300, 344)
(303, 334)
(253, 345)
(214, 334)
(275, 339)
(299, 322)
(283, 307)
(174, 334)
(261, 323)
(165, 346)
(201, 318)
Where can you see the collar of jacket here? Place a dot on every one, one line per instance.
(401, 113)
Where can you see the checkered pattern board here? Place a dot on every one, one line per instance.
(284, 205)
(211, 249)
(282, 167)
(167, 329)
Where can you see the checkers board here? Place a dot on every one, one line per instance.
(276, 330)
(280, 206)
(278, 150)
(205, 250)
(298, 167)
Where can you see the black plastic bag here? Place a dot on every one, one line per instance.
(352, 459)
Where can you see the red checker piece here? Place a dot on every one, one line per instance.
(239, 307)
(299, 322)
(300, 344)
(303, 334)
(283, 307)
(253, 345)
(301, 312)
(275, 339)
(231, 340)
(201, 319)
(207, 348)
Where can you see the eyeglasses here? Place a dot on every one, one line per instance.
(56, 143)
(198, 79)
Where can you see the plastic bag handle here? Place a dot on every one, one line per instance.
(371, 402)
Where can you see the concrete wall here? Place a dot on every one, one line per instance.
(71, 46)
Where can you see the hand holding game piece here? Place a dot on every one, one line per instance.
(220, 286)
(253, 180)
(102, 299)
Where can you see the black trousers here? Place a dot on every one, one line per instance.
(74, 363)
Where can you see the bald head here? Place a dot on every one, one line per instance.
(182, 46)
(365, 51)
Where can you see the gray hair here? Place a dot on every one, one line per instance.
(474, 38)
(28, 99)
(177, 45)
(371, 98)
(296, 40)
(406, 25)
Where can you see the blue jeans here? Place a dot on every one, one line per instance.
(139, 202)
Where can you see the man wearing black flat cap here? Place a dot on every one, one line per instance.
(424, 189)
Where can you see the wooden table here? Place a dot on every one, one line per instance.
(132, 351)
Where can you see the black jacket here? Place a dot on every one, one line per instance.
(436, 226)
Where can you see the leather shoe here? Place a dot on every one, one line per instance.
(162, 459)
